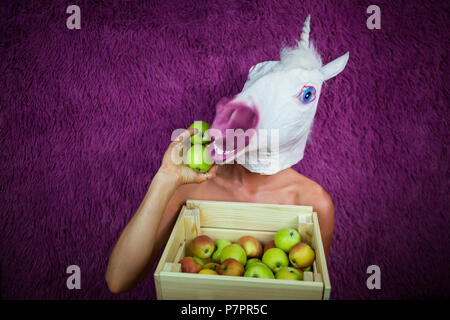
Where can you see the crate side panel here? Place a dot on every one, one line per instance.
(248, 218)
(259, 207)
(176, 239)
(321, 262)
(204, 287)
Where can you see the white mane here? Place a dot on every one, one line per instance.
(300, 57)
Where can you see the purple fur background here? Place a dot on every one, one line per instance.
(87, 114)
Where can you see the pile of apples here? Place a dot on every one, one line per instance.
(198, 157)
(285, 257)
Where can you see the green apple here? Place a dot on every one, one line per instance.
(252, 261)
(275, 259)
(198, 158)
(259, 270)
(201, 137)
(286, 238)
(256, 263)
(289, 273)
(219, 244)
(234, 251)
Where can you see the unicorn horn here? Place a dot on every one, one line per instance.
(304, 39)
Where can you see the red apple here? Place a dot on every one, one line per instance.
(253, 248)
(231, 267)
(202, 247)
(269, 245)
(189, 265)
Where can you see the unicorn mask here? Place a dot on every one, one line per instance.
(265, 127)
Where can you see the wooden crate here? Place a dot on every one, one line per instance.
(231, 220)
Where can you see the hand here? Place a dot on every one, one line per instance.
(173, 166)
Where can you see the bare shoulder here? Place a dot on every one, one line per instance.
(311, 193)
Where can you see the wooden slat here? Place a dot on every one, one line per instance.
(181, 286)
(260, 207)
(318, 277)
(176, 267)
(308, 276)
(167, 267)
(170, 250)
(305, 228)
(314, 267)
(320, 260)
(191, 226)
(171, 267)
(181, 252)
(248, 216)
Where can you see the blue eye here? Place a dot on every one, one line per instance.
(307, 95)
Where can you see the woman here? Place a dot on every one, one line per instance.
(148, 231)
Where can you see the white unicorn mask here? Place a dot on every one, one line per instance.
(277, 105)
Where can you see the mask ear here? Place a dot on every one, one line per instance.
(333, 68)
(262, 67)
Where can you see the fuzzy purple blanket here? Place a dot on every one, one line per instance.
(87, 114)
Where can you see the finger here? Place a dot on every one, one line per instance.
(186, 134)
(212, 172)
(201, 177)
(181, 141)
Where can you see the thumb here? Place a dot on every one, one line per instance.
(210, 174)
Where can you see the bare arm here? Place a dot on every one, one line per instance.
(325, 214)
(145, 234)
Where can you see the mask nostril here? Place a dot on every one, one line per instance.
(242, 117)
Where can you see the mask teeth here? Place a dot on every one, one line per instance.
(221, 152)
